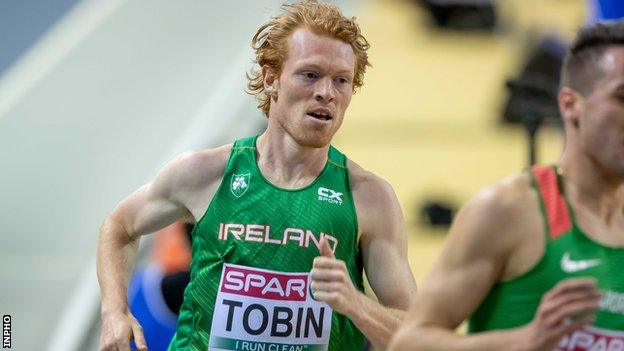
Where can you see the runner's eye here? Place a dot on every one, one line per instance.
(310, 75)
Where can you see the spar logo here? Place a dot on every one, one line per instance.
(266, 285)
(592, 339)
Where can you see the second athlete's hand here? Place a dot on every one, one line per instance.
(567, 307)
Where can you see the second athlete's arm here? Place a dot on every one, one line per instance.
(485, 234)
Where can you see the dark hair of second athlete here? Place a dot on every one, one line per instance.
(580, 69)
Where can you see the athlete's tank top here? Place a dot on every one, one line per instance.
(569, 252)
(252, 252)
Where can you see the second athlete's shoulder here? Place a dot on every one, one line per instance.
(509, 196)
(507, 209)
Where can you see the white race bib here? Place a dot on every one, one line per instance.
(262, 310)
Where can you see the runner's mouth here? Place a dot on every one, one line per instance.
(320, 115)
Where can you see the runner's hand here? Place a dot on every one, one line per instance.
(331, 282)
(118, 330)
(569, 306)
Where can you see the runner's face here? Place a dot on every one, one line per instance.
(601, 126)
(314, 88)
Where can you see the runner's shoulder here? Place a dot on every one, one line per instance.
(370, 190)
(194, 170)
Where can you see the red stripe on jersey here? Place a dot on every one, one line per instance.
(559, 220)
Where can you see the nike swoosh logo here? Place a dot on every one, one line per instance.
(570, 266)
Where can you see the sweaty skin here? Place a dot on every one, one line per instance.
(317, 76)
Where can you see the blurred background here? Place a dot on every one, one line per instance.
(96, 95)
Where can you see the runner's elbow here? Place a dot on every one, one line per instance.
(412, 336)
(403, 340)
(113, 229)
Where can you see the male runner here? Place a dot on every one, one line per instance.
(285, 223)
(537, 261)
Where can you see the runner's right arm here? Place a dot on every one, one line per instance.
(482, 238)
(167, 198)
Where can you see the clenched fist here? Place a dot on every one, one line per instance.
(331, 282)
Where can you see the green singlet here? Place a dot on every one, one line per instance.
(569, 252)
(252, 253)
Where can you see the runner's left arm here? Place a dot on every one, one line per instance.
(384, 248)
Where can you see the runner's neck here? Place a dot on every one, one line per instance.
(287, 164)
(587, 187)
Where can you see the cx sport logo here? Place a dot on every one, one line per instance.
(328, 195)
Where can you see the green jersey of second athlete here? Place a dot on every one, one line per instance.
(569, 252)
(252, 251)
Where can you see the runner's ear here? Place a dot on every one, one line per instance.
(271, 81)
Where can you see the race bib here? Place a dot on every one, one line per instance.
(593, 339)
(262, 310)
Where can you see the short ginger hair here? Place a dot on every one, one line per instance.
(270, 42)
